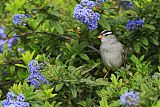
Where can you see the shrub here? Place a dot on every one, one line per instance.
(49, 52)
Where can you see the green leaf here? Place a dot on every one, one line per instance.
(48, 93)
(87, 81)
(58, 27)
(155, 41)
(40, 57)
(148, 0)
(157, 104)
(68, 46)
(134, 59)
(5, 48)
(141, 58)
(104, 23)
(59, 87)
(58, 61)
(56, 13)
(103, 102)
(21, 65)
(27, 57)
(73, 90)
(90, 68)
(144, 40)
(114, 79)
(17, 87)
(136, 47)
(1, 58)
(151, 27)
(47, 104)
(57, 105)
(84, 56)
(83, 104)
(159, 68)
(15, 5)
(101, 82)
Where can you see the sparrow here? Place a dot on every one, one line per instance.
(111, 51)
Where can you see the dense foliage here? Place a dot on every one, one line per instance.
(49, 53)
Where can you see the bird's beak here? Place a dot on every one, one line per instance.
(100, 36)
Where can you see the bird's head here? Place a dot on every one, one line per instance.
(106, 36)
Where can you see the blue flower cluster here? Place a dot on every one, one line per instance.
(100, 1)
(126, 4)
(14, 101)
(36, 78)
(130, 98)
(84, 13)
(20, 19)
(4, 39)
(132, 24)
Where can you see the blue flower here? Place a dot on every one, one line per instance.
(13, 101)
(85, 14)
(21, 98)
(84, 2)
(131, 25)
(41, 65)
(33, 66)
(36, 78)
(21, 50)
(130, 4)
(33, 63)
(88, 4)
(126, 4)
(21, 104)
(100, 1)
(2, 32)
(5, 40)
(20, 19)
(35, 83)
(1, 45)
(91, 4)
(139, 23)
(8, 102)
(11, 42)
(130, 98)
(10, 95)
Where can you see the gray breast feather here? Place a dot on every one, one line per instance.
(111, 55)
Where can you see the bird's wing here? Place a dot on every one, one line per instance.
(123, 58)
(123, 55)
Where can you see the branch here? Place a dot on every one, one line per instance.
(93, 48)
(49, 33)
(39, 24)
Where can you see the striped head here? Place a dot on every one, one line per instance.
(107, 36)
(105, 33)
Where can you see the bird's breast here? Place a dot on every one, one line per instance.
(111, 55)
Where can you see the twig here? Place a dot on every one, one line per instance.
(96, 50)
(7, 37)
(49, 33)
(40, 23)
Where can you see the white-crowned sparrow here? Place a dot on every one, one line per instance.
(111, 50)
